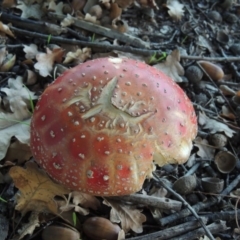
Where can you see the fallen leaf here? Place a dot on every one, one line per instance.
(214, 126)
(175, 9)
(31, 51)
(16, 103)
(67, 21)
(129, 216)
(5, 29)
(45, 61)
(18, 151)
(8, 3)
(205, 151)
(30, 10)
(20, 131)
(85, 200)
(37, 190)
(78, 56)
(172, 66)
(28, 228)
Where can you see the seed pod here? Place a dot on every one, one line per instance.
(100, 228)
(215, 16)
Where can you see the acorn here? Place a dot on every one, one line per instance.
(218, 140)
(215, 16)
(100, 228)
(185, 184)
(194, 74)
(60, 233)
(213, 70)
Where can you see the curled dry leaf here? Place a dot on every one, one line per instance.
(129, 216)
(214, 126)
(205, 151)
(28, 228)
(5, 29)
(21, 131)
(78, 56)
(37, 190)
(175, 9)
(45, 61)
(86, 200)
(30, 10)
(16, 103)
(67, 21)
(31, 51)
(93, 19)
(19, 151)
(172, 66)
(57, 8)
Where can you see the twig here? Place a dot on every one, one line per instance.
(190, 209)
(214, 228)
(172, 231)
(107, 32)
(150, 201)
(109, 47)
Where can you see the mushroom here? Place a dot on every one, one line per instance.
(98, 127)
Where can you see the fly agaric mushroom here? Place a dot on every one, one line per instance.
(98, 127)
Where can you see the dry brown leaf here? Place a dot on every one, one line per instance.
(129, 216)
(19, 151)
(124, 3)
(90, 18)
(57, 8)
(172, 66)
(8, 3)
(28, 228)
(175, 9)
(46, 60)
(5, 29)
(67, 21)
(227, 113)
(37, 190)
(16, 103)
(213, 125)
(31, 51)
(67, 206)
(85, 200)
(147, 3)
(30, 10)
(205, 150)
(8, 63)
(78, 56)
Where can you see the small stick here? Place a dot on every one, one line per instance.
(172, 231)
(190, 209)
(213, 228)
(151, 201)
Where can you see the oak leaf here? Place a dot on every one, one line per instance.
(37, 190)
(45, 61)
(129, 216)
(205, 151)
(6, 30)
(175, 9)
(172, 67)
(214, 126)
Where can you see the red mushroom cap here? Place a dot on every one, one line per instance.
(98, 127)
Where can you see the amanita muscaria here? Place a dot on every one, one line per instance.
(98, 127)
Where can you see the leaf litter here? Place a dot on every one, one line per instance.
(37, 193)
